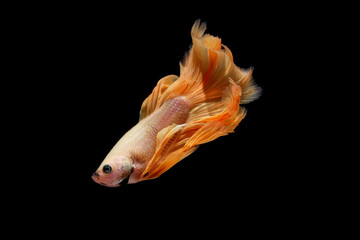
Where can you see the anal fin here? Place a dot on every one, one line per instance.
(169, 151)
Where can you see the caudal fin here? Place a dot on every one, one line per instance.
(214, 88)
(215, 62)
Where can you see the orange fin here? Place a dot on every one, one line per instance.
(205, 123)
(151, 103)
(213, 87)
(216, 119)
(168, 152)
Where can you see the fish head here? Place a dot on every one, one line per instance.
(113, 171)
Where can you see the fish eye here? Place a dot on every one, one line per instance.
(107, 168)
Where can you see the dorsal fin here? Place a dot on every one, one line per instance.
(151, 103)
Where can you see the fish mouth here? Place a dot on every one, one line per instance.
(123, 182)
(95, 178)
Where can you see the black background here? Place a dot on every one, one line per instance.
(92, 67)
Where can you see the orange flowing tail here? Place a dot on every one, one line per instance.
(213, 87)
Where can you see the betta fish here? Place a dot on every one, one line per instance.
(181, 113)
